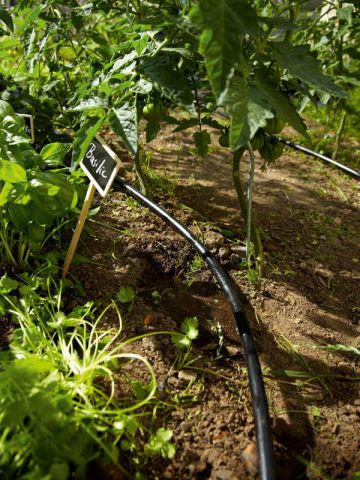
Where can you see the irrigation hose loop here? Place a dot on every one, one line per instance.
(259, 402)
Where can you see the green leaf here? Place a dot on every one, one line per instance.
(159, 443)
(152, 129)
(88, 104)
(84, 137)
(11, 172)
(53, 154)
(342, 348)
(202, 141)
(235, 101)
(300, 63)
(59, 184)
(280, 102)
(7, 284)
(126, 295)
(4, 195)
(259, 110)
(123, 121)
(59, 471)
(170, 80)
(190, 327)
(20, 215)
(180, 341)
(222, 22)
(6, 18)
(36, 234)
(185, 124)
(345, 13)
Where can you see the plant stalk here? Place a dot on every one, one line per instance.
(243, 207)
(339, 134)
(144, 186)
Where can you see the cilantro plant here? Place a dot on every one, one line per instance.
(183, 341)
(59, 408)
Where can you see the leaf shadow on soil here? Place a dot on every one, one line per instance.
(306, 300)
(309, 219)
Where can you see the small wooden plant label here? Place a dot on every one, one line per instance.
(29, 125)
(101, 165)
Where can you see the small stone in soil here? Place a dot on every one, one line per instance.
(224, 252)
(186, 376)
(213, 240)
(250, 456)
(232, 351)
(223, 474)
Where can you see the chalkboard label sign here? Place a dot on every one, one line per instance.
(29, 125)
(101, 165)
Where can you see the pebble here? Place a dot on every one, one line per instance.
(250, 456)
(232, 351)
(225, 252)
(187, 376)
(238, 249)
(224, 474)
(336, 429)
(213, 240)
(149, 343)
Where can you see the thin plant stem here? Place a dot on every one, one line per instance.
(339, 134)
(8, 252)
(237, 155)
(144, 187)
(249, 206)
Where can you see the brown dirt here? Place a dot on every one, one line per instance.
(307, 298)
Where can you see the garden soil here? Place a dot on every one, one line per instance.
(307, 298)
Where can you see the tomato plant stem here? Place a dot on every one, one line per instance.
(243, 207)
(144, 187)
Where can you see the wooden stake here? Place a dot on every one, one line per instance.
(80, 225)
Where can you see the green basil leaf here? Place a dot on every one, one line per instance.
(11, 172)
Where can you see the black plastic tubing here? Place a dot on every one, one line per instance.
(259, 402)
(296, 146)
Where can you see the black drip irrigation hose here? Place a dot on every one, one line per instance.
(296, 146)
(259, 402)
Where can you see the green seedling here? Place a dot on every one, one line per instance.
(183, 341)
(158, 296)
(159, 443)
(126, 295)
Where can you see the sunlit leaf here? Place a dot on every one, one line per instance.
(54, 153)
(7, 284)
(84, 137)
(11, 172)
(123, 121)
